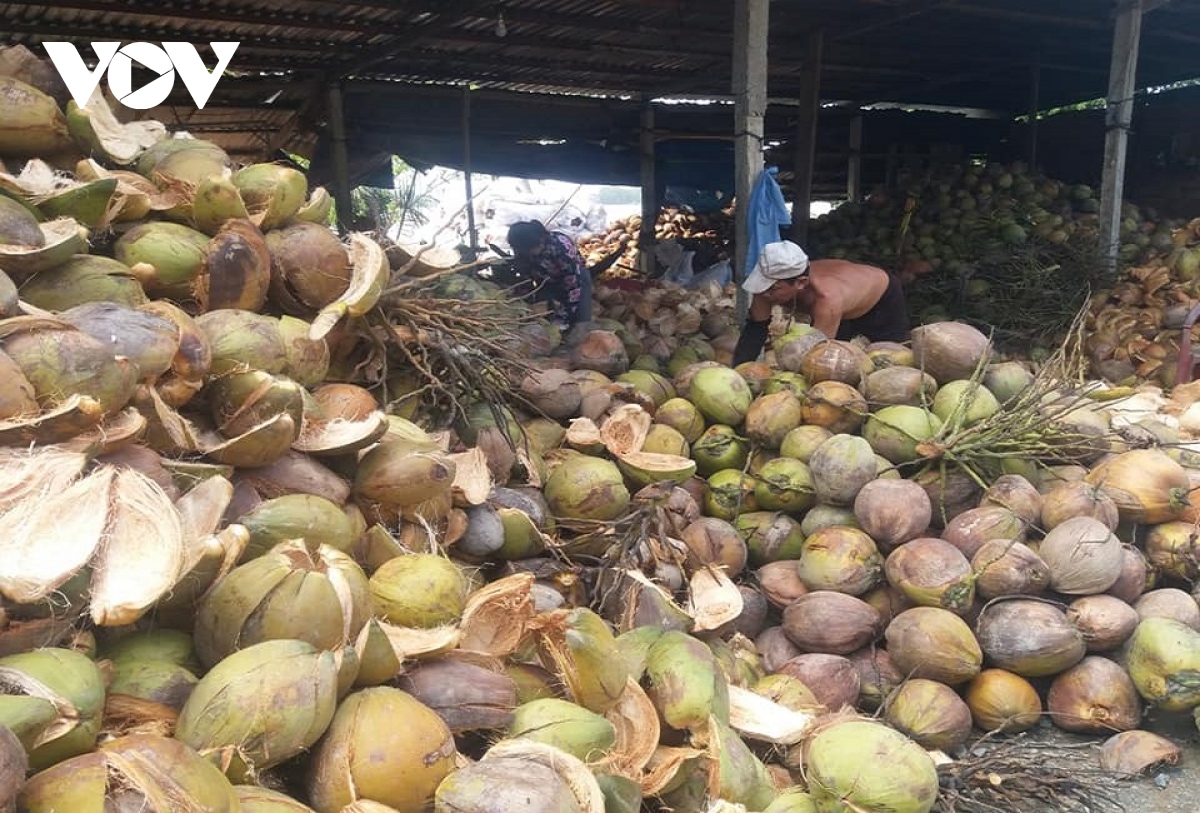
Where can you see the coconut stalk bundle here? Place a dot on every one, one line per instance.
(1034, 776)
(1033, 427)
(459, 350)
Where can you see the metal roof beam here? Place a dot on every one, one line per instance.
(231, 14)
(1039, 18)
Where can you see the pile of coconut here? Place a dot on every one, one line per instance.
(283, 530)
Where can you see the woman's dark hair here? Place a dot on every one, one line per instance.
(526, 235)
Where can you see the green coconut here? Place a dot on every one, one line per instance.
(217, 201)
(784, 381)
(144, 772)
(685, 684)
(166, 257)
(167, 684)
(770, 536)
(32, 124)
(785, 484)
(273, 193)
(64, 362)
(28, 718)
(1163, 658)
(306, 517)
(683, 416)
(400, 473)
(665, 440)
(307, 359)
(148, 340)
(241, 340)
(729, 493)
(895, 432)
(655, 386)
(150, 158)
(721, 395)
(367, 755)
(964, 401)
(163, 645)
(74, 683)
(299, 591)
(266, 703)
(720, 447)
(255, 799)
(589, 488)
(564, 725)
(84, 278)
(1007, 379)
(861, 765)
(802, 441)
(420, 590)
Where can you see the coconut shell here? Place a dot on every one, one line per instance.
(521, 775)
(835, 406)
(1095, 696)
(932, 643)
(832, 679)
(932, 573)
(1030, 637)
(1138, 753)
(949, 350)
(1014, 492)
(840, 558)
(1005, 567)
(468, 697)
(931, 713)
(1083, 557)
(1105, 621)
(237, 269)
(829, 622)
(1169, 602)
(1003, 701)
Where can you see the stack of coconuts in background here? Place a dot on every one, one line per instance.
(235, 577)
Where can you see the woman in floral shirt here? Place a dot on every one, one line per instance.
(554, 263)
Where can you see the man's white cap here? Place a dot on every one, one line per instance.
(777, 261)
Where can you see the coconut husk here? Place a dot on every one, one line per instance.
(143, 527)
(664, 766)
(410, 643)
(638, 730)
(25, 476)
(45, 540)
(497, 616)
(762, 719)
(167, 432)
(124, 715)
(339, 435)
(713, 599)
(624, 430)
(73, 417)
(472, 478)
(202, 507)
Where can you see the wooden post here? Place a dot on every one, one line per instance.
(854, 169)
(806, 137)
(468, 186)
(750, 29)
(1118, 117)
(341, 159)
(646, 261)
(1035, 100)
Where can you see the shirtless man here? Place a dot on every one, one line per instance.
(844, 299)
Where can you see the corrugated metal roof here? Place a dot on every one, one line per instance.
(966, 53)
